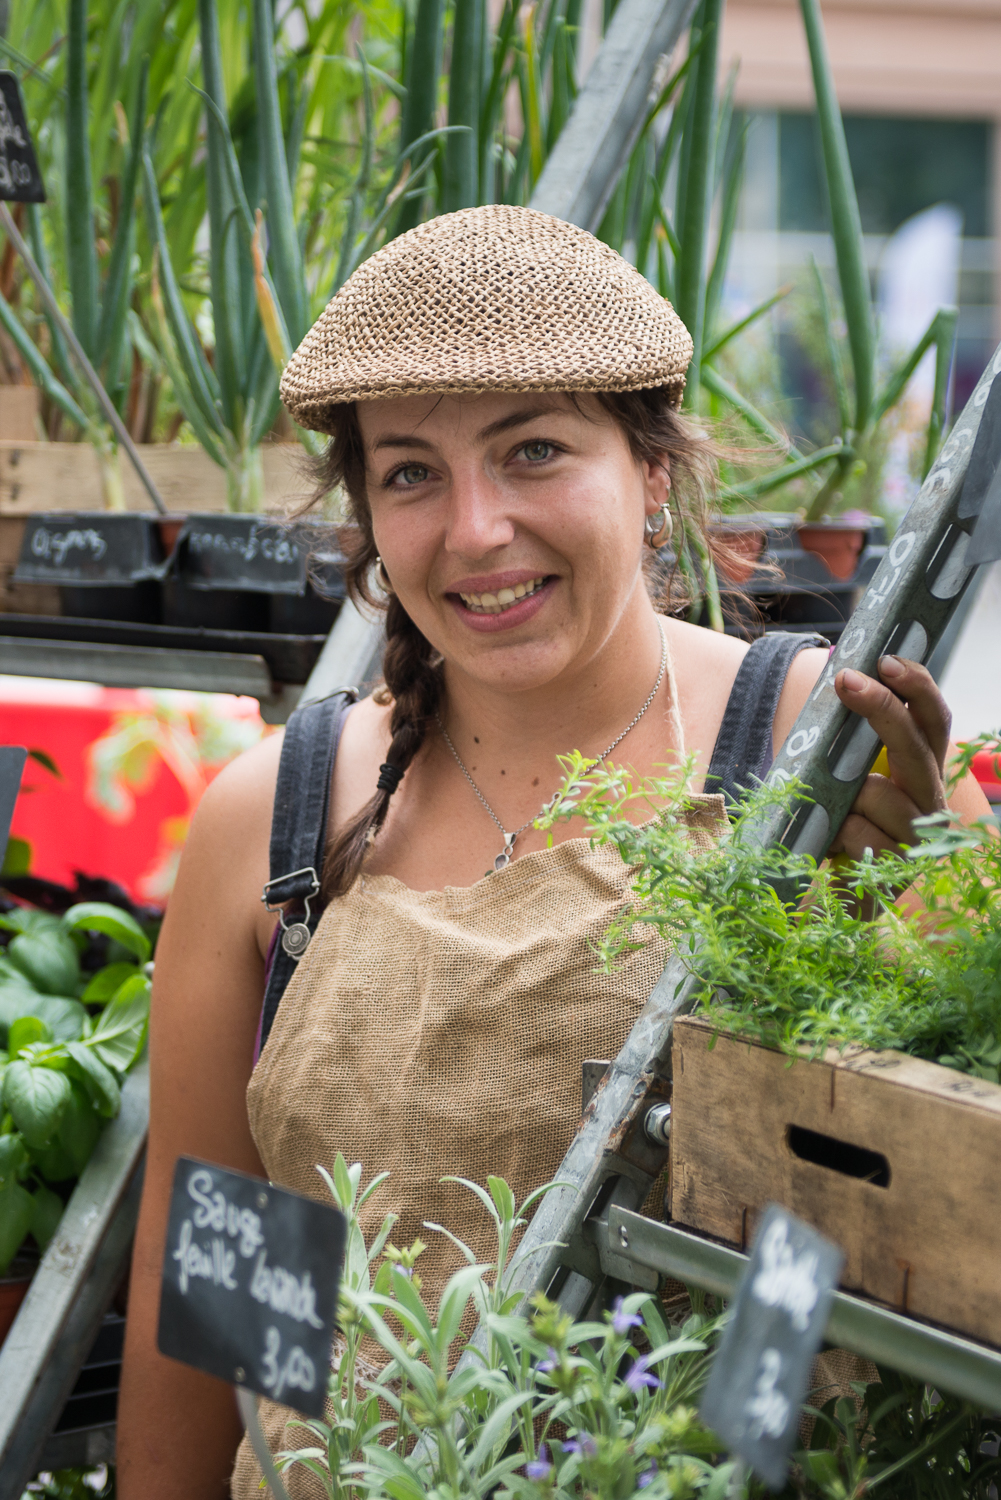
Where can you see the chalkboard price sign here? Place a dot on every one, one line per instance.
(20, 178)
(761, 1373)
(250, 1278)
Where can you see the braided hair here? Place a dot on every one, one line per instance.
(412, 668)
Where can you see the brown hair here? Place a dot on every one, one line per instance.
(412, 668)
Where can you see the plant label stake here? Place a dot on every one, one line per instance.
(12, 759)
(761, 1372)
(249, 1289)
(20, 178)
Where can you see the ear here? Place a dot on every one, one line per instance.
(656, 474)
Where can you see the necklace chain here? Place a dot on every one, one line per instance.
(504, 858)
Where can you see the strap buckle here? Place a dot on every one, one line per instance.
(296, 936)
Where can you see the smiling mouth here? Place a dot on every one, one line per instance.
(496, 604)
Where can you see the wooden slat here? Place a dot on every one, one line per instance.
(926, 1243)
(65, 476)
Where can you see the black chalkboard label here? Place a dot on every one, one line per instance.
(20, 178)
(250, 1278)
(90, 548)
(761, 1372)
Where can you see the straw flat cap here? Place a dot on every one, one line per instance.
(499, 298)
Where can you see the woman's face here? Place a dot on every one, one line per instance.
(510, 526)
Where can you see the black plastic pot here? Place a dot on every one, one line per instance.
(252, 574)
(777, 582)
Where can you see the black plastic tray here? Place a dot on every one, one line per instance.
(290, 658)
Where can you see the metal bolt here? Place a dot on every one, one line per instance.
(262, 1200)
(239, 1374)
(657, 1124)
(623, 1237)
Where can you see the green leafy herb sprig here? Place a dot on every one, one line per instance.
(67, 1040)
(809, 971)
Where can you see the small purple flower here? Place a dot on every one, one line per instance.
(547, 1366)
(648, 1476)
(623, 1321)
(638, 1376)
(540, 1468)
(584, 1445)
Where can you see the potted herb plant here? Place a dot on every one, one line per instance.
(69, 1038)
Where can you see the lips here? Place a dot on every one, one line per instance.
(504, 599)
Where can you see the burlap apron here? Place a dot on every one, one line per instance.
(442, 1032)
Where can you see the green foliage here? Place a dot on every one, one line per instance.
(537, 1405)
(778, 944)
(64, 1057)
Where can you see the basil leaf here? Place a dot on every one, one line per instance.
(106, 982)
(29, 919)
(24, 1031)
(13, 1159)
(120, 1032)
(47, 1210)
(65, 1018)
(37, 1099)
(97, 916)
(100, 1084)
(54, 1163)
(79, 1129)
(16, 1212)
(49, 959)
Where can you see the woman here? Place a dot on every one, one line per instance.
(502, 394)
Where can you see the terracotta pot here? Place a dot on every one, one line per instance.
(13, 1290)
(839, 546)
(744, 545)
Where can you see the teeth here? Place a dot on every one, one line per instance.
(496, 604)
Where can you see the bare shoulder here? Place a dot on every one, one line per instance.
(804, 671)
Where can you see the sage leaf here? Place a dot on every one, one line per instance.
(99, 1083)
(120, 1032)
(47, 1210)
(48, 959)
(97, 916)
(37, 1099)
(16, 1213)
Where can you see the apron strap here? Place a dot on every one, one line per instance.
(743, 746)
(299, 833)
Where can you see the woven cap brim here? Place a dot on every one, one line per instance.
(499, 298)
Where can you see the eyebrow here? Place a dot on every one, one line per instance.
(493, 429)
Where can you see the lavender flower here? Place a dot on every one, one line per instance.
(540, 1468)
(648, 1476)
(547, 1366)
(623, 1321)
(638, 1376)
(585, 1446)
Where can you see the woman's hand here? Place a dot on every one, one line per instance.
(912, 719)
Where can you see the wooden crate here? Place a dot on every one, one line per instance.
(893, 1158)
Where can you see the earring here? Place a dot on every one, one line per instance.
(658, 528)
(383, 574)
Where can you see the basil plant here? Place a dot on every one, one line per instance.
(68, 1039)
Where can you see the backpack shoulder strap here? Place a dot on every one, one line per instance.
(745, 734)
(299, 832)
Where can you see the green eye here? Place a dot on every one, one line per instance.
(535, 452)
(413, 474)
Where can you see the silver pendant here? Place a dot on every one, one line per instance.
(504, 857)
(295, 939)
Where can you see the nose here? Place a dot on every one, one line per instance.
(478, 518)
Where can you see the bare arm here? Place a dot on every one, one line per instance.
(177, 1429)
